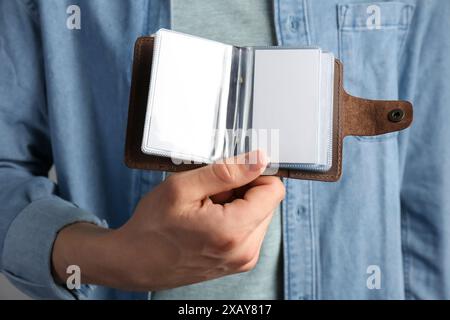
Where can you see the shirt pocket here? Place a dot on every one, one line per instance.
(371, 41)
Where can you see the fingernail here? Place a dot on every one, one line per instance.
(257, 161)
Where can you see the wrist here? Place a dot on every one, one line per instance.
(85, 245)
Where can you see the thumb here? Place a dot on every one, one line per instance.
(223, 175)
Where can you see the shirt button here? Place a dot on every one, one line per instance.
(293, 23)
(301, 213)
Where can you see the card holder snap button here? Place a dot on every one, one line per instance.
(396, 115)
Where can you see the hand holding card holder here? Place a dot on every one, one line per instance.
(350, 116)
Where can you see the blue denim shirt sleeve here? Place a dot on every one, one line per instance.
(31, 213)
(28, 247)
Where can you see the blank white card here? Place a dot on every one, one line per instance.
(286, 97)
(189, 82)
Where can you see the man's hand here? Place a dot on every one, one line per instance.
(197, 225)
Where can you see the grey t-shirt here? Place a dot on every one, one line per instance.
(244, 23)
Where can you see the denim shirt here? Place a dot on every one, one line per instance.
(382, 231)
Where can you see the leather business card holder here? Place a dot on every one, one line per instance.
(352, 116)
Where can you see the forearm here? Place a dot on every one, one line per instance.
(107, 257)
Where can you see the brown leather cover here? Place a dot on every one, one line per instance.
(352, 117)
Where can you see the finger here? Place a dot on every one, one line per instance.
(259, 236)
(240, 192)
(223, 197)
(221, 176)
(244, 257)
(257, 202)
